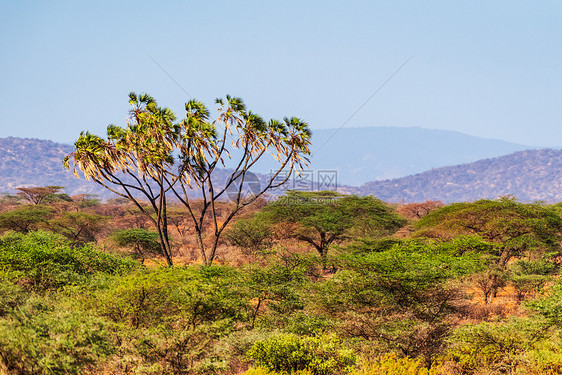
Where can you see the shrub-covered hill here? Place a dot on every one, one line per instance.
(34, 162)
(26, 162)
(528, 175)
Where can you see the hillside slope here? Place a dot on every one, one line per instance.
(528, 175)
(367, 154)
(33, 162)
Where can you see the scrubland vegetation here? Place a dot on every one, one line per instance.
(158, 282)
(311, 283)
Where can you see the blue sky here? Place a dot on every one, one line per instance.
(486, 68)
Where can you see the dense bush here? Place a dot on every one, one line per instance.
(175, 297)
(400, 299)
(321, 355)
(43, 260)
(391, 304)
(47, 336)
(143, 242)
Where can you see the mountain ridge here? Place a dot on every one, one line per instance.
(34, 162)
(374, 153)
(530, 175)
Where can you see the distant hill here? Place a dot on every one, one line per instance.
(28, 162)
(33, 162)
(357, 154)
(360, 155)
(528, 175)
(375, 153)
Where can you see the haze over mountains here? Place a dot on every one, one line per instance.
(360, 156)
(533, 175)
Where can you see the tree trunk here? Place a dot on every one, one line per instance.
(201, 247)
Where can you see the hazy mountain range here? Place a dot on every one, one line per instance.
(367, 154)
(533, 175)
(360, 156)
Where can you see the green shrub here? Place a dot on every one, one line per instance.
(142, 241)
(401, 299)
(25, 218)
(320, 355)
(275, 291)
(175, 297)
(391, 364)
(46, 336)
(500, 346)
(43, 260)
(252, 236)
(11, 296)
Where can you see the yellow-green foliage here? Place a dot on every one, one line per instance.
(286, 353)
(388, 364)
(391, 364)
(264, 371)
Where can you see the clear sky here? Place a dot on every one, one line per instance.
(486, 68)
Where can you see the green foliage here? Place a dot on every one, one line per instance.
(252, 236)
(502, 347)
(276, 287)
(550, 307)
(529, 277)
(42, 260)
(44, 336)
(63, 197)
(175, 297)
(399, 298)
(521, 229)
(391, 364)
(419, 263)
(287, 353)
(392, 305)
(78, 227)
(144, 242)
(26, 218)
(11, 296)
(471, 244)
(324, 218)
(87, 200)
(368, 245)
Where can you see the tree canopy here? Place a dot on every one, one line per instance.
(519, 229)
(38, 194)
(154, 157)
(323, 218)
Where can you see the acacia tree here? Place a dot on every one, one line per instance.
(26, 218)
(516, 228)
(141, 240)
(154, 157)
(510, 228)
(38, 194)
(321, 219)
(78, 227)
